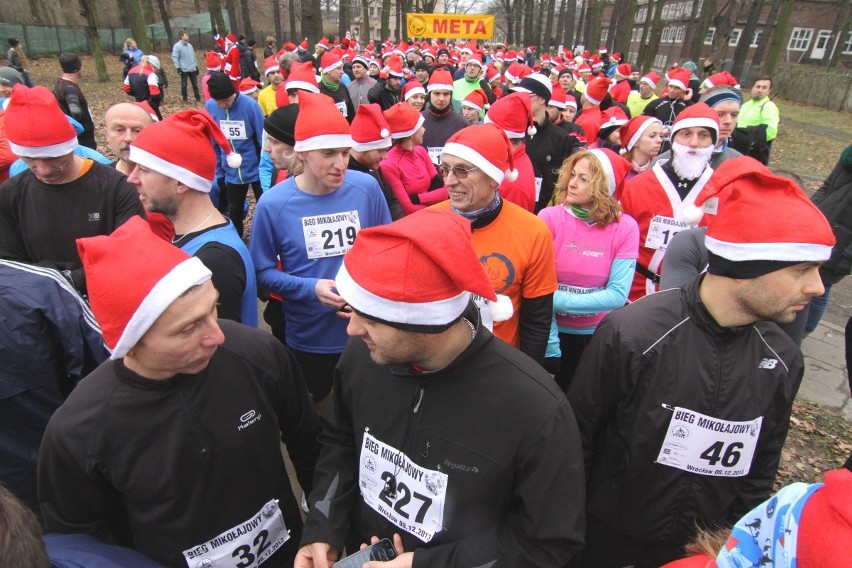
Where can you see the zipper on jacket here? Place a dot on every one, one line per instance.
(231, 144)
(203, 450)
(412, 417)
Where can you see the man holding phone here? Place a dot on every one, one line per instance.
(439, 436)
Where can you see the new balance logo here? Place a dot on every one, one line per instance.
(768, 364)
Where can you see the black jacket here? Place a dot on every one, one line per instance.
(393, 203)
(834, 199)
(382, 96)
(663, 351)
(547, 149)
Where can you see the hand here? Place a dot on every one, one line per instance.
(324, 291)
(402, 560)
(316, 555)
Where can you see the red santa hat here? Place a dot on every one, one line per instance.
(679, 77)
(35, 125)
(304, 44)
(147, 108)
(394, 64)
(302, 77)
(270, 64)
(289, 47)
(744, 237)
(614, 166)
(584, 68)
(623, 70)
(633, 130)
(602, 50)
(397, 275)
(559, 98)
(596, 62)
(476, 99)
(320, 125)
(330, 60)
(492, 73)
(597, 89)
(404, 120)
(323, 44)
(248, 85)
(441, 80)
(214, 61)
(411, 88)
(825, 528)
(133, 276)
(162, 147)
(723, 78)
(650, 79)
(513, 115)
(487, 147)
(697, 115)
(370, 130)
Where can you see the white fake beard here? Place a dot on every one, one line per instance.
(689, 166)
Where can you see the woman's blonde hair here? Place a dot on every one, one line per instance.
(605, 209)
(127, 42)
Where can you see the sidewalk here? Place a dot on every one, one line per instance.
(825, 381)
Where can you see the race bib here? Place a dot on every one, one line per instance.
(245, 545)
(662, 230)
(537, 188)
(342, 108)
(407, 495)
(484, 311)
(330, 235)
(435, 154)
(577, 290)
(709, 446)
(234, 129)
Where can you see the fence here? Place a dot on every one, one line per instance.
(51, 40)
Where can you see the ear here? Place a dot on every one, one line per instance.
(182, 188)
(494, 184)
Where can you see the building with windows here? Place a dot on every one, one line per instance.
(815, 33)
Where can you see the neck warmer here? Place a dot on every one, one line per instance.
(482, 217)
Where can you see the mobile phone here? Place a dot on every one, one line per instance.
(382, 550)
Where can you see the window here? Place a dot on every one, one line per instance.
(822, 39)
(666, 12)
(604, 34)
(632, 58)
(679, 34)
(641, 15)
(735, 37)
(800, 39)
(664, 37)
(687, 9)
(755, 40)
(847, 46)
(711, 34)
(660, 61)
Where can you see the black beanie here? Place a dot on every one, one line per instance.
(220, 86)
(13, 41)
(281, 124)
(421, 65)
(70, 62)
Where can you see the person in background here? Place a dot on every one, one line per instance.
(639, 99)
(183, 56)
(18, 60)
(595, 245)
(131, 56)
(760, 117)
(143, 83)
(414, 93)
(361, 82)
(372, 136)
(641, 142)
(71, 99)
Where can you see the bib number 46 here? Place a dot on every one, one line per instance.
(729, 455)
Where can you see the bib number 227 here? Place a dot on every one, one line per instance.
(403, 495)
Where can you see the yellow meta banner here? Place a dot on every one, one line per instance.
(465, 26)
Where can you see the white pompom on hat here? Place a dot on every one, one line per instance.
(370, 130)
(513, 115)
(487, 147)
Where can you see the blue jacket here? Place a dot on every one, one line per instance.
(243, 126)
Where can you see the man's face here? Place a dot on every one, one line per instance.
(645, 90)
(324, 169)
(634, 76)
(471, 70)
(567, 81)
(538, 104)
(471, 114)
(182, 340)
(440, 99)
(471, 193)
(184, 37)
(464, 58)
(393, 83)
(280, 153)
(761, 89)
(225, 104)
(387, 345)
(728, 112)
(157, 192)
(553, 113)
(275, 77)
(372, 158)
(5, 90)
(422, 76)
(123, 123)
(675, 93)
(780, 295)
(334, 75)
(53, 171)
(359, 71)
(694, 137)
(443, 59)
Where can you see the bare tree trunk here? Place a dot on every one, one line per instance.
(560, 23)
(527, 33)
(581, 22)
(248, 30)
(231, 7)
(615, 19)
(365, 19)
(741, 51)
(550, 12)
(535, 38)
(779, 36)
(164, 15)
(625, 26)
(343, 18)
(591, 28)
(216, 17)
(386, 8)
(510, 21)
(292, 15)
(148, 10)
(312, 20)
(839, 33)
(276, 16)
(649, 48)
(87, 9)
(123, 13)
(137, 24)
(570, 22)
(724, 22)
(693, 28)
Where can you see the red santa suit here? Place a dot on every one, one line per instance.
(232, 57)
(521, 192)
(652, 199)
(620, 91)
(590, 120)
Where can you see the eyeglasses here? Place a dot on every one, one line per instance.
(458, 171)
